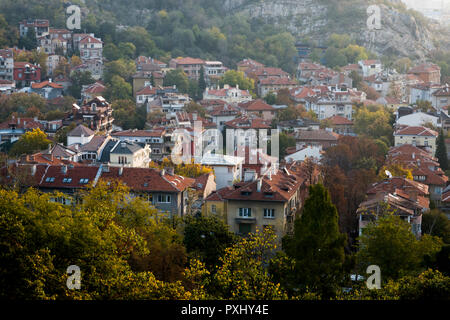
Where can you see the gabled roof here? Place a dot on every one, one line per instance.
(81, 130)
(188, 61)
(46, 83)
(256, 105)
(416, 131)
(338, 120)
(157, 133)
(316, 135)
(90, 39)
(247, 122)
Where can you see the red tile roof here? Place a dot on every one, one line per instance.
(246, 122)
(256, 105)
(338, 120)
(46, 83)
(416, 131)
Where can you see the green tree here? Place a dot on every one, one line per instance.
(390, 244)
(270, 98)
(30, 142)
(441, 151)
(243, 275)
(206, 239)
(178, 78)
(436, 223)
(118, 89)
(201, 84)
(317, 246)
(233, 78)
(79, 79)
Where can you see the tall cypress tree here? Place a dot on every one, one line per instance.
(441, 151)
(201, 83)
(317, 246)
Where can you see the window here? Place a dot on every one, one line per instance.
(163, 198)
(67, 180)
(245, 228)
(50, 179)
(245, 212)
(213, 208)
(84, 181)
(269, 213)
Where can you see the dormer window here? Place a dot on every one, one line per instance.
(50, 179)
(84, 181)
(67, 180)
(246, 193)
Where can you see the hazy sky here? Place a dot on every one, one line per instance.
(428, 4)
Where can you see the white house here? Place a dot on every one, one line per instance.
(80, 135)
(370, 67)
(227, 94)
(227, 169)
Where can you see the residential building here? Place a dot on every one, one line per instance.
(227, 94)
(271, 200)
(6, 64)
(341, 125)
(94, 66)
(246, 64)
(91, 91)
(423, 92)
(400, 196)
(295, 125)
(427, 72)
(370, 67)
(418, 136)
(190, 66)
(227, 169)
(213, 71)
(96, 114)
(80, 135)
(11, 130)
(441, 98)
(259, 108)
(155, 138)
(41, 27)
(308, 152)
(47, 89)
(222, 114)
(25, 73)
(130, 154)
(417, 119)
(274, 84)
(322, 138)
(90, 48)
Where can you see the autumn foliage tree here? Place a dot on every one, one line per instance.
(30, 142)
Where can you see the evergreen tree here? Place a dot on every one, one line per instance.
(441, 151)
(317, 246)
(201, 84)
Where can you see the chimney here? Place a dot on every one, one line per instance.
(33, 170)
(120, 171)
(169, 170)
(162, 172)
(259, 185)
(64, 169)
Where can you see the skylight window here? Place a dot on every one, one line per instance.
(50, 179)
(84, 181)
(67, 180)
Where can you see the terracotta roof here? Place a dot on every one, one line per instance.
(256, 105)
(338, 120)
(246, 122)
(316, 135)
(148, 179)
(139, 133)
(46, 83)
(416, 131)
(224, 110)
(389, 185)
(22, 123)
(424, 68)
(147, 91)
(95, 88)
(188, 60)
(90, 39)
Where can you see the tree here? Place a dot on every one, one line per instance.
(270, 98)
(195, 107)
(374, 123)
(201, 84)
(390, 244)
(118, 89)
(441, 151)
(317, 246)
(79, 79)
(233, 78)
(285, 141)
(206, 239)
(242, 274)
(30, 142)
(436, 223)
(178, 78)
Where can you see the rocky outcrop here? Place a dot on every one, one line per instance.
(401, 34)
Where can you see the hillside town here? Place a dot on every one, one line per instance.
(246, 143)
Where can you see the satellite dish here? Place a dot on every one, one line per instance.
(388, 173)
